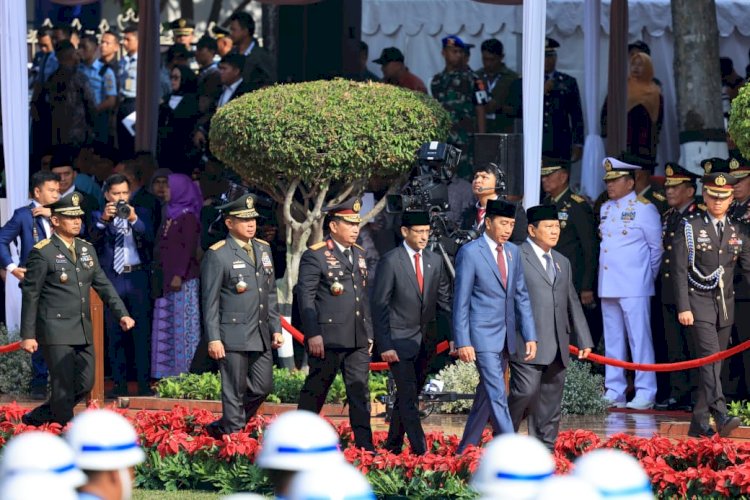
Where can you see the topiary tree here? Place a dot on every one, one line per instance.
(739, 121)
(314, 144)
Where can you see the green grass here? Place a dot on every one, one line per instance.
(174, 495)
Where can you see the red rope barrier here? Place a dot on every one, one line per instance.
(10, 347)
(376, 367)
(596, 358)
(666, 367)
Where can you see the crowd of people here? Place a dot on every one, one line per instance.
(190, 286)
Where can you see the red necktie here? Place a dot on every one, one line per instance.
(480, 214)
(501, 266)
(420, 278)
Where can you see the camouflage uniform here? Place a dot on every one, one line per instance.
(456, 91)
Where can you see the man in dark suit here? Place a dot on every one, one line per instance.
(411, 283)
(707, 249)
(677, 386)
(335, 310)
(562, 135)
(486, 186)
(56, 314)
(31, 224)
(123, 236)
(536, 386)
(578, 241)
(489, 298)
(259, 68)
(135, 171)
(240, 315)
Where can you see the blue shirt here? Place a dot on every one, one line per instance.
(128, 75)
(101, 83)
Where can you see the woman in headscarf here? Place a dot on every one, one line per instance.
(645, 108)
(176, 328)
(177, 116)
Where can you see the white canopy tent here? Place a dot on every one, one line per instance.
(416, 27)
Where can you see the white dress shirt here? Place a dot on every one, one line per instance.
(411, 253)
(226, 96)
(541, 253)
(342, 248)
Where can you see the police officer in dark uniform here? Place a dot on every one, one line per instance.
(578, 241)
(335, 311)
(240, 315)
(707, 248)
(676, 386)
(56, 314)
(562, 135)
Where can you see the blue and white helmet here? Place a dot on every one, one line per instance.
(38, 451)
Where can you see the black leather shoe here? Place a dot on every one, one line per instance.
(700, 430)
(666, 404)
(214, 430)
(726, 424)
(39, 393)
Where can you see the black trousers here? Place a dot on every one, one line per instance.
(71, 369)
(537, 391)
(681, 382)
(355, 368)
(409, 374)
(707, 338)
(125, 141)
(246, 380)
(742, 333)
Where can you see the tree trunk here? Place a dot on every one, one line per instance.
(213, 15)
(270, 23)
(187, 9)
(696, 75)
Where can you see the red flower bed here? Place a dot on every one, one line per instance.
(182, 455)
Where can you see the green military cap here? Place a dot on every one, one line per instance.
(220, 32)
(677, 174)
(348, 210)
(242, 208)
(182, 26)
(68, 206)
(551, 165)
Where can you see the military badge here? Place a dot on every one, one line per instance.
(734, 164)
(63, 276)
(241, 286)
(608, 165)
(337, 288)
(707, 167)
(249, 202)
(357, 206)
(75, 199)
(669, 171)
(720, 181)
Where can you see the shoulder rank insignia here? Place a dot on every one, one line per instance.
(660, 197)
(357, 246)
(318, 245)
(577, 198)
(702, 207)
(262, 242)
(643, 200)
(218, 245)
(42, 244)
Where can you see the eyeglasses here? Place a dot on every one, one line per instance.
(420, 231)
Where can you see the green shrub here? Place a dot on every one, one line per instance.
(286, 386)
(740, 409)
(739, 121)
(584, 391)
(15, 368)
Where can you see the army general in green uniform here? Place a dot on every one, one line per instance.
(56, 314)
(240, 315)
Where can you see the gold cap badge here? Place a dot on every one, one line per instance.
(720, 181)
(607, 165)
(249, 202)
(669, 171)
(707, 167)
(75, 199)
(734, 164)
(357, 206)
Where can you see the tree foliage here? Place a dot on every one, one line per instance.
(739, 121)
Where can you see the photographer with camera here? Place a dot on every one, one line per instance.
(123, 236)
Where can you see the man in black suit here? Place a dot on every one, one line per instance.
(335, 309)
(134, 170)
(259, 69)
(411, 282)
(487, 185)
(240, 315)
(536, 385)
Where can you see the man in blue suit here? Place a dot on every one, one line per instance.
(490, 295)
(124, 245)
(31, 224)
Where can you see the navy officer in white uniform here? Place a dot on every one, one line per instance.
(629, 260)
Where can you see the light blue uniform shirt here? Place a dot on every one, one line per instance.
(102, 84)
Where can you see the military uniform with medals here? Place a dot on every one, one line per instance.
(706, 254)
(563, 115)
(675, 342)
(240, 309)
(334, 304)
(55, 310)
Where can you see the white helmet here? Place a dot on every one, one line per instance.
(337, 482)
(299, 440)
(104, 440)
(557, 487)
(513, 467)
(615, 474)
(36, 485)
(37, 451)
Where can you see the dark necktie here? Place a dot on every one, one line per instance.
(119, 258)
(720, 230)
(420, 278)
(480, 215)
(550, 267)
(501, 266)
(348, 255)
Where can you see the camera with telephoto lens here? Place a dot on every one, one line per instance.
(122, 209)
